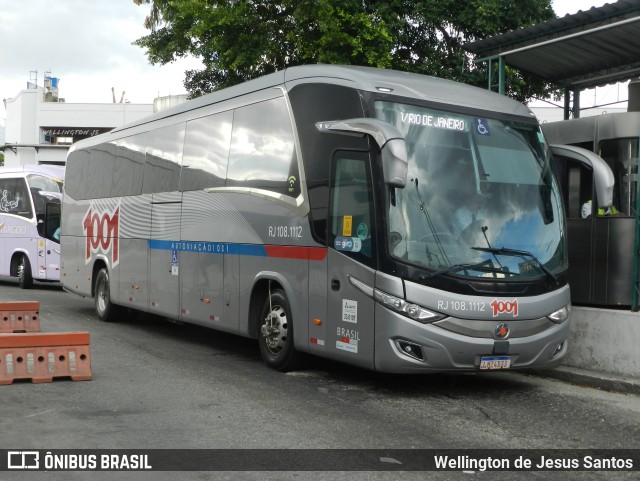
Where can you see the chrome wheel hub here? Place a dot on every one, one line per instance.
(274, 329)
(103, 298)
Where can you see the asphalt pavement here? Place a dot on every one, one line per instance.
(577, 376)
(160, 385)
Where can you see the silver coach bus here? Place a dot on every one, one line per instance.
(603, 264)
(388, 220)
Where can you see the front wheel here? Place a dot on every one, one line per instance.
(106, 311)
(25, 279)
(275, 337)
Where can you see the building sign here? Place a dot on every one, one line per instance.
(72, 132)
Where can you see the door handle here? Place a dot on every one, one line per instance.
(335, 285)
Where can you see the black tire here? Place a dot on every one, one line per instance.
(25, 279)
(105, 309)
(275, 335)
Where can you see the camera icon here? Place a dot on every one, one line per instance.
(23, 460)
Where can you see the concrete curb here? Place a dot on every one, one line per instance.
(598, 380)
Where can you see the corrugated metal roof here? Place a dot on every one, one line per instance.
(591, 48)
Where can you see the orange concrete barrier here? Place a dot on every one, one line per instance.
(19, 316)
(41, 357)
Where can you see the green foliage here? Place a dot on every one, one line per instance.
(1, 159)
(244, 39)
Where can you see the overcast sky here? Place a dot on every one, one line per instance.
(87, 44)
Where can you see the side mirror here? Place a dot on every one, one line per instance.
(390, 141)
(602, 175)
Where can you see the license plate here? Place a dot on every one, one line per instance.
(495, 362)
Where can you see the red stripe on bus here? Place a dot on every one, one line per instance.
(294, 252)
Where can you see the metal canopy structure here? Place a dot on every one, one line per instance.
(596, 47)
(14, 147)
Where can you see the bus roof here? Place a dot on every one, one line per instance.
(47, 170)
(401, 84)
(410, 85)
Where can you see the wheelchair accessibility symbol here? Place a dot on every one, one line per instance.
(482, 127)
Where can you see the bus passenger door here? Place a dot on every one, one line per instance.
(576, 181)
(164, 252)
(598, 273)
(351, 261)
(49, 230)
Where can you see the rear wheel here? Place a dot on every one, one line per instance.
(106, 311)
(275, 337)
(25, 279)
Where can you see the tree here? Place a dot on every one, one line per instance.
(243, 39)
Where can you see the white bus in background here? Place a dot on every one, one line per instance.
(321, 210)
(30, 198)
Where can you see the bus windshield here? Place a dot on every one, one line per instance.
(44, 184)
(481, 199)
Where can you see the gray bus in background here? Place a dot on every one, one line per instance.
(392, 221)
(603, 260)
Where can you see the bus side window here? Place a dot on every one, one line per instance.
(622, 156)
(206, 152)
(76, 174)
(100, 176)
(128, 172)
(163, 159)
(263, 153)
(14, 197)
(351, 211)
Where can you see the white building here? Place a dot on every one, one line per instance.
(40, 127)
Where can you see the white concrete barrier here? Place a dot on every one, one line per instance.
(604, 340)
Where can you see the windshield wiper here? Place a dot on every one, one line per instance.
(523, 255)
(429, 223)
(484, 266)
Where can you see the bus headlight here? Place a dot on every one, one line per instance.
(560, 315)
(412, 311)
